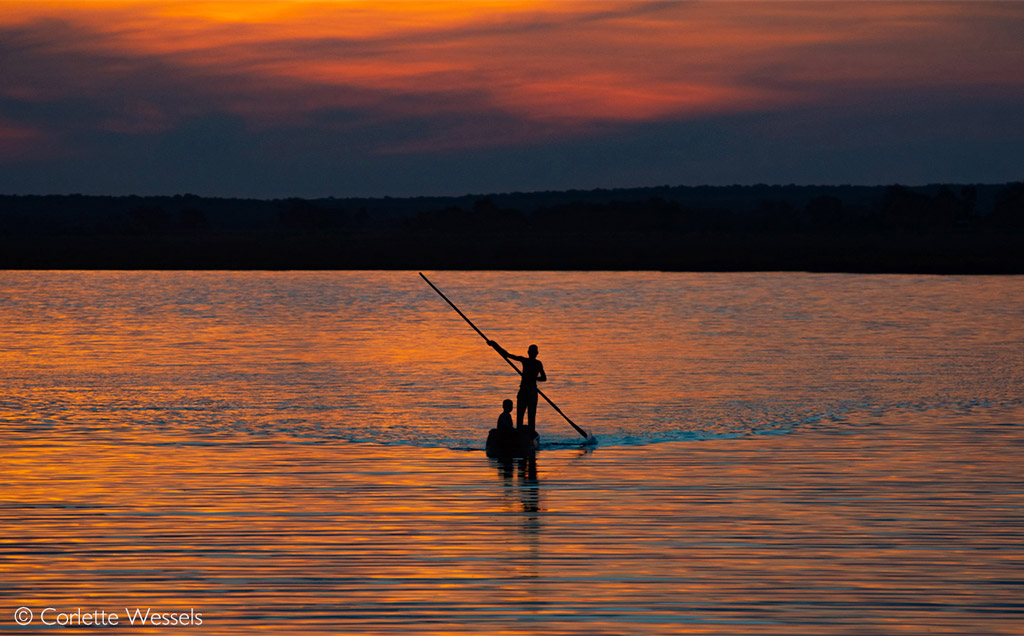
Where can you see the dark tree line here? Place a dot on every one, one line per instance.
(941, 228)
(896, 208)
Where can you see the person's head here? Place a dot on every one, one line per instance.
(533, 351)
(507, 406)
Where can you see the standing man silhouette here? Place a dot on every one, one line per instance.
(533, 372)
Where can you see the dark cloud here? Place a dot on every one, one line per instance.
(218, 154)
(236, 119)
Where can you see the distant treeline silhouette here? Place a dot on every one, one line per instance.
(929, 229)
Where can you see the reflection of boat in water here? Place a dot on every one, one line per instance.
(516, 442)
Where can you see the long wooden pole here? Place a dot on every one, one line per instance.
(510, 363)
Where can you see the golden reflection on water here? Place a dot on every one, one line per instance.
(909, 527)
(183, 441)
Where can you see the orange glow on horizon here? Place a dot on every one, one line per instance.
(558, 67)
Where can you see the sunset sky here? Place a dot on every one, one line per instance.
(354, 98)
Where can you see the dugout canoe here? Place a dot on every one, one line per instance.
(512, 443)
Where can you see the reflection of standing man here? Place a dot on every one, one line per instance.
(533, 372)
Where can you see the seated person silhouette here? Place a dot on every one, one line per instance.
(505, 419)
(507, 441)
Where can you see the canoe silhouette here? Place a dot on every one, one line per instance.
(516, 442)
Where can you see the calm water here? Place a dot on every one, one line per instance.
(301, 453)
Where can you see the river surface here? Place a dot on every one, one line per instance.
(301, 452)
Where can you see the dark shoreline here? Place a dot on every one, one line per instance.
(975, 229)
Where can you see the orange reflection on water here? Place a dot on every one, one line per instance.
(888, 529)
(177, 440)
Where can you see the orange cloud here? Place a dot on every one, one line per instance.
(572, 64)
(21, 142)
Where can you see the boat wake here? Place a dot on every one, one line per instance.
(189, 424)
(608, 434)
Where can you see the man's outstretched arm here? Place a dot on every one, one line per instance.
(504, 354)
